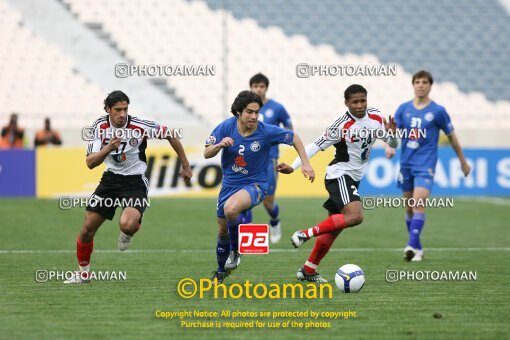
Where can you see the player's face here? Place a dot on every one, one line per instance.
(250, 116)
(260, 89)
(357, 104)
(118, 114)
(422, 87)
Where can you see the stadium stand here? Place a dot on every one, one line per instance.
(276, 50)
(466, 45)
(241, 38)
(55, 66)
(37, 79)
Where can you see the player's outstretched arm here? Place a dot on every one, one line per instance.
(311, 150)
(306, 167)
(389, 151)
(212, 150)
(96, 158)
(391, 141)
(454, 141)
(179, 150)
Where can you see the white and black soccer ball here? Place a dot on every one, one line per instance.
(350, 278)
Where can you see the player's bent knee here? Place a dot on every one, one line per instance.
(358, 219)
(231, 211)
(231, 215)
(128, 226)
(354, 219)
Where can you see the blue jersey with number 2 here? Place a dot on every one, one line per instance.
(247, 160)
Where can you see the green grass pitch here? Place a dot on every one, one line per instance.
(177, 240)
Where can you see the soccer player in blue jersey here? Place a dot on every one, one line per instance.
(419, 155)
(246, 143)
(272, 113)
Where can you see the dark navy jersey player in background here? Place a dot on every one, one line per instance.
(246, 143)
(419, 155)
(272, 113)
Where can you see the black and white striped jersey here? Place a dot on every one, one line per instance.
(353, 139)
(129, 158)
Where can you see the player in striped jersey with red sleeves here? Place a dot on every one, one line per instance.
(352, 135)
(119, 140)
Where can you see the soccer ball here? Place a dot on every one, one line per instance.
(350, 278)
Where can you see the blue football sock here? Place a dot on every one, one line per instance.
(222, 251)
(409, 217)
(233, 232)
(274, 212)
(246, 216)
(274, 222)
(415, 229)
(274, 215)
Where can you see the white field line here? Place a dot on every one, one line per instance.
(277, 250)
(483, 199)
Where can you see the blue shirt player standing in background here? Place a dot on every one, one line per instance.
(419, 155)
(272, 113)
(246, 143)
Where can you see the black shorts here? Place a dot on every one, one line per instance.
(342, 191)
(130, 191)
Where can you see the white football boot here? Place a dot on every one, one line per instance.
(78, 277)
(233, 260)
(418, 257)
(275, 233)
(124, 241)
(409, 253)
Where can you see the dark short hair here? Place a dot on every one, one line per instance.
(243, 99)
(115, 97)
(353, 89)
(259, 78)
(423, 74)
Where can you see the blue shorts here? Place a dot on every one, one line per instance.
(272, 176)
(408, 179)
(257, 194)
